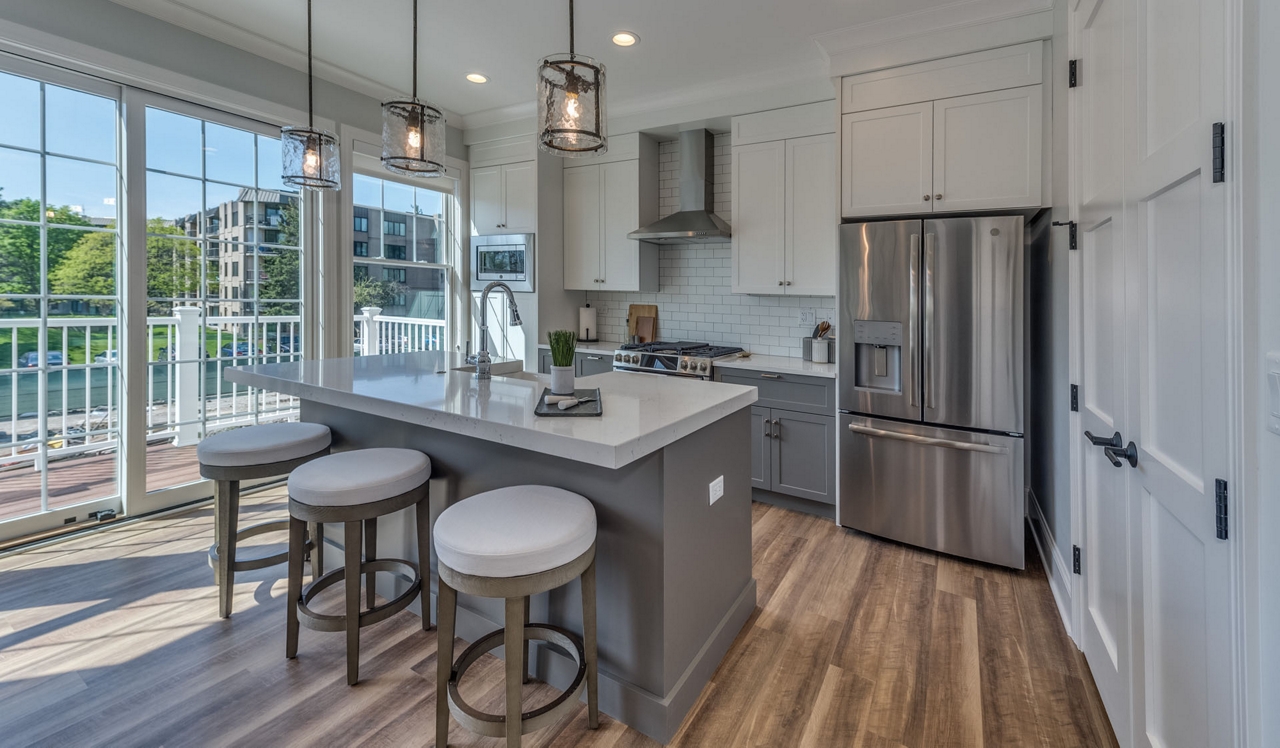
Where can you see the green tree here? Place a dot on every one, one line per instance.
(173, 267)
(281, 272)
(88, 267)
(373, 292)
(20, 245)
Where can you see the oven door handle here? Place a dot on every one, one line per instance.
(930, 441)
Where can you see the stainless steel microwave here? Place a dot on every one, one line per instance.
(502, 257)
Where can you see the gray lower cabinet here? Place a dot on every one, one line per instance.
(793, 448)
(544, 361)
(584, 364)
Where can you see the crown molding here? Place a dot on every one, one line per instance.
(177, 14)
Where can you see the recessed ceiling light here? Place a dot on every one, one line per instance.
(625, 38)
(477, 78)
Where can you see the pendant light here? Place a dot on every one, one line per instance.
(571, 116)
(310, 156)
(413, 131)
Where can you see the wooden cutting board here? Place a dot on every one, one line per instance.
(637, 311)
(647, 329)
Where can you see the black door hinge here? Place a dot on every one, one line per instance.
(1073, 74)
(1071, 232)
(1220, 500)
(1075, 398)
(1219, 152)
(1075, 559)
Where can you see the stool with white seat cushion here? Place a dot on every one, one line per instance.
(512, 543)
(356, 488)
(249, 453)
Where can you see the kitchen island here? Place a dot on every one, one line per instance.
(674, 578)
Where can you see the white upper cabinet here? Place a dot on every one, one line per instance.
(986, 150)
(887, 161)
(604, 201)
(905, 149)
(504, 199)
(785, 215)
(811, 209)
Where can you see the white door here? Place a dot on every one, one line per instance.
(886, 161)
(1107, 535)
(759, 217)
(486, 200)
(1180, 361)
(582, 228)
(811, 202)
(520, 197)
(620, 213)
(986, 150)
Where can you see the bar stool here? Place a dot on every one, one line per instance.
(249, 453)
(356, 488)
(512, 543)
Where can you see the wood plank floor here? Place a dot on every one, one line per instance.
(112, 639)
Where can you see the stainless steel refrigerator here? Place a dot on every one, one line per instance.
(931, 384)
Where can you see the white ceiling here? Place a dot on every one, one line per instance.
(687, 48)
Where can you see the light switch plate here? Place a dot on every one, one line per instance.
(1273, 393)
(717, 489)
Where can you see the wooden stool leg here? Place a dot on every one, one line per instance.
(351, 546)
(370, 554)
(423, 516)
(316, 529)
(446, 610)
(589, 644)
(527, 646)
(297, 554)
(227, 501)
(513, 623)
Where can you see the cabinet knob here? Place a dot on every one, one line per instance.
(788, 283)
(938, 196)
(926, 198)
(779, 283)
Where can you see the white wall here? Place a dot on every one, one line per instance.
(694, 299)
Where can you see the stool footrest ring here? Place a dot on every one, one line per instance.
(249, 563)
(406, 570)
(494, 725)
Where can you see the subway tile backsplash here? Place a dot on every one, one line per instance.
(694, 299)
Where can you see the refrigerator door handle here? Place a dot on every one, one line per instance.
(929, 260)
(929, 441)
(913, 303)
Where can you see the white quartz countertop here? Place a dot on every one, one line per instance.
(642, 412)
(779, 365)
(608, 347)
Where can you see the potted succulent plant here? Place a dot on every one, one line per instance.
(563, 344)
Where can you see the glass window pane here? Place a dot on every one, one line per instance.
(428, 240)
(20, 124)
(173, 142)
(173, 268)
(173, 204)
(19, 180)
(279, 272)
(79, 124)
(430, 202)
(19, 260)
(228, 154)
(366, 191)
(270, 164)
(425, 295)
(83, 263)
(82, 190)
(397, 196)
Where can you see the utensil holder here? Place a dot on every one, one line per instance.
(806, 346)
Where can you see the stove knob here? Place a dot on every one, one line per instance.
(633, 360)
(617, 357)
(702, 366)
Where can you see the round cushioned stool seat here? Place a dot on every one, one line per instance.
(514, 531)
(263, 445)
(359, 477)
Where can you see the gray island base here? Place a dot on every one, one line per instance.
(674, 569)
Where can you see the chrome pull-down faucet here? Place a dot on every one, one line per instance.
(482, 359)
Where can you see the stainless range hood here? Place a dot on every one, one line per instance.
(694, 223)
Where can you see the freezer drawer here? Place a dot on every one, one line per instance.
(952, 491)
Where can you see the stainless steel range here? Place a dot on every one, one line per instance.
(682, 359)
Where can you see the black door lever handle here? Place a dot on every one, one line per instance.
(1129, 453)
(1115, 440)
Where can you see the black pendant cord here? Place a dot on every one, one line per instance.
(311, 105)
(570, 29)
(415, 50)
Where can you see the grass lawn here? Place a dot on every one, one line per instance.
(28, 341)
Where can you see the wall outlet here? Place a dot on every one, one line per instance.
(826, 315)
(807, 318)
(717, 489)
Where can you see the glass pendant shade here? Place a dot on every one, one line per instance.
(571, 114)
(310, 158)
(413, 138)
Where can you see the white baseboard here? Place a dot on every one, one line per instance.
(1055, 565)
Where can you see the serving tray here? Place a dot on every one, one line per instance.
(583, 409)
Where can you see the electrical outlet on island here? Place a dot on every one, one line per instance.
(717, 489)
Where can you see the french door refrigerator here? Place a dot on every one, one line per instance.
(931, 377)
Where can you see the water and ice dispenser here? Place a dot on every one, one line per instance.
(878, 351)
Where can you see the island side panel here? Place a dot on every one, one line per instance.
(629, 546)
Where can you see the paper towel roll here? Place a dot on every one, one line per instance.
(587, 324)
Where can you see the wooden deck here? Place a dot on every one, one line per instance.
(113, 639)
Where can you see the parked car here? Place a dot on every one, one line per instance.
(241, 349)
(31, 359)
(107, 357)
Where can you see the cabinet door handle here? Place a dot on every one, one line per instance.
(771, 376)
(926, 198)
(768, 433)
(777, 431)
(788, 283)
(938, 196)
(779, 283)
(594, 358)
